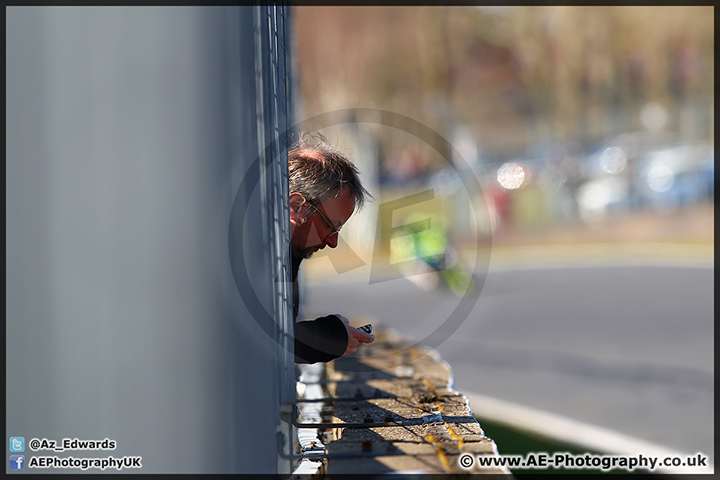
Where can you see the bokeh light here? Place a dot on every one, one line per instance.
(512, 175)
(660, 178)
(613, 160)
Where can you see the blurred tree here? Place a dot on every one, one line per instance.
(516, 75)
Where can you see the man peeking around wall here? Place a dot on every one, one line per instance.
(324, 192)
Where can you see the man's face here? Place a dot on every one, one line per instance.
(309, 231)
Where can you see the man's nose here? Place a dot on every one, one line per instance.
(332, 240)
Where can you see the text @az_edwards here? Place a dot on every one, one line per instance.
(67, 444)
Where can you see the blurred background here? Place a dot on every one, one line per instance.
(592, 113)
(562, 156)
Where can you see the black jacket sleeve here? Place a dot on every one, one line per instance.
(320, 340)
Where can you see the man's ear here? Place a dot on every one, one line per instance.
(297, 207)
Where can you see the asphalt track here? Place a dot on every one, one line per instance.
(625, 346)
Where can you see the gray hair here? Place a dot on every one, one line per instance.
(318, 170)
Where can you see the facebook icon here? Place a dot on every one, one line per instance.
(17, 462)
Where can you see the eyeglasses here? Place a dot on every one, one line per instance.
(333, 230)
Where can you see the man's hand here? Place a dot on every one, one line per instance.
(355, 337)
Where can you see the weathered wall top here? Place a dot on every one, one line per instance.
(391, 408)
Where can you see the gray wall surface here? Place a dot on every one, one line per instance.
(129, 131)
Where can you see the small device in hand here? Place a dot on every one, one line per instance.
(366, 328)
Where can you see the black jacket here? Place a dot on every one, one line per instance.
(319, 340)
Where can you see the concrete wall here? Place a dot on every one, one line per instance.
(129, 132)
